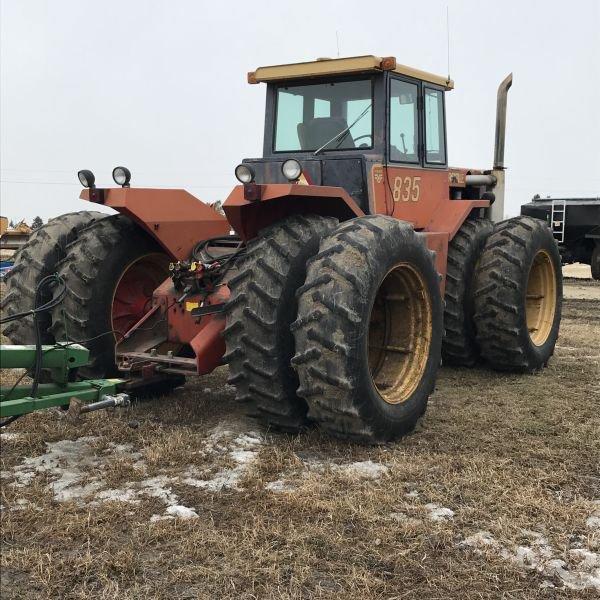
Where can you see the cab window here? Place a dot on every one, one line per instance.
(435, 143)
(330, 116)
(404, 122)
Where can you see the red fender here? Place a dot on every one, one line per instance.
(253, 206)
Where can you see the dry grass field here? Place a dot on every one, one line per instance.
(495, 495)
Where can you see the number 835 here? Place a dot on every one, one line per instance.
(407, 188)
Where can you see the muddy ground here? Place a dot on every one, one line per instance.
(495, 495)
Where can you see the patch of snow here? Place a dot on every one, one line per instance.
(10, 436)
(21, 504)
(280, 486)
(118, 495)
(581, 571)
(156, 487)
(206, 391)
(439, 513)
(593, 522)
(175, 511)
(242, 450)
(480, 539)
(366, 469)
(181, 512)
(125, 449)
(403, 518)
(68, 462)
(412, 494)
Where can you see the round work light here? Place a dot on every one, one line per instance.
(121, 176)
(244, 174)
(86, 178)
(291, 169)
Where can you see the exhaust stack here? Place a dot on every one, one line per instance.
(496, 212)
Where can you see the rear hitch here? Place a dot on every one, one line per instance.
(77, 407)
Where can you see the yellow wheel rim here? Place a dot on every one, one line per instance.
(400, 330)
(540, 300)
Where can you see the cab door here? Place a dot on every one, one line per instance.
(414, 177)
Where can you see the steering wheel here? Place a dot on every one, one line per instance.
(360, 137)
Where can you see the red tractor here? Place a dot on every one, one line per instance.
(350, 262)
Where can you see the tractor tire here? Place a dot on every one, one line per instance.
(459, 347)
(595, 262)
(369, 330)
(260, 311)
(110, 272)
(39, 258)
(518, 296)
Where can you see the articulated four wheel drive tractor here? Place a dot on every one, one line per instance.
(351, 261)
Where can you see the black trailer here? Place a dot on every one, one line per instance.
(575, 223)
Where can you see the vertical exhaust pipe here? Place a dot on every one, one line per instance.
(496, 211)
(501, 122)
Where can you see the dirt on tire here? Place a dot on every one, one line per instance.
(93, 266)
(332, 331)
(502, 293)
(459, 347)
(40, 257)
(259, 313)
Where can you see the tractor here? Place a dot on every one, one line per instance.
(351, 261)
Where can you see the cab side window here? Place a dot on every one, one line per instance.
(435, 143)
(404, 122)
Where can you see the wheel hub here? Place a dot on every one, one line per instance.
(399, 334)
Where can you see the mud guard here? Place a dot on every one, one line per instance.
(276, 201)
(174, 218)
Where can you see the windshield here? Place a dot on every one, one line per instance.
(324, 116)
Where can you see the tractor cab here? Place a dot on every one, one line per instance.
(343, 120)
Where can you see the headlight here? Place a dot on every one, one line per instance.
(244, 174)
(121, 176)
(86, 178)
(291, 169)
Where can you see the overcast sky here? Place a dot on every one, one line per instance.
(160, 86)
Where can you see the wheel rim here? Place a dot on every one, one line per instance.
(540, 299)
(400, 331)
(133, 292)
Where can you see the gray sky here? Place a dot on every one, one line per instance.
(160, 86)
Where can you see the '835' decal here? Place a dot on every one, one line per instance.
(407, 188)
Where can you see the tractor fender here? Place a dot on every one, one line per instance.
(174, 218)
(274, 202)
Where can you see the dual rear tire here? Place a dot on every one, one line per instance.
(518, 296)
(356, 311)
(367, 339)
(110, 268)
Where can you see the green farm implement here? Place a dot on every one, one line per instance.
(61, 362)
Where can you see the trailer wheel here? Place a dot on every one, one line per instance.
(40, 257)
(518, 296)
(459, 346)
(595, 262)
(110, 271)
(369, 330)
(259, 313)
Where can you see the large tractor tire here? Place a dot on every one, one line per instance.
(369, 330)
(595, 262)
(110, 272)
(40, 257)
(261, 308)
(459, 347)
(518, 296)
